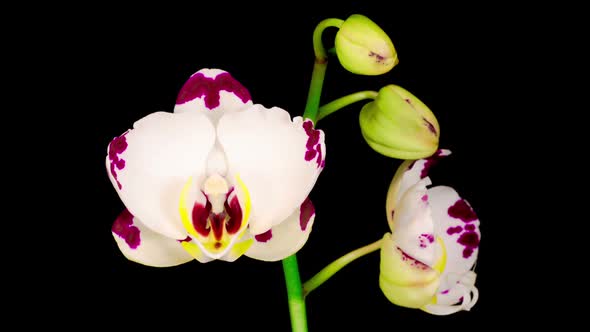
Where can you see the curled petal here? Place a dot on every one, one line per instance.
(213, 92)
(278, 160)
(461, 296)
(149, 164)
(286, 238)
(142, 245)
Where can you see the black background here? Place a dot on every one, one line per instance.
(120, 64)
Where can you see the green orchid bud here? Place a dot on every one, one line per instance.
(398, 125)
(363, 48)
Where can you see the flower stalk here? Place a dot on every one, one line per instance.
(319, 68)
(342, 102)
(331, 269)
(295, 294)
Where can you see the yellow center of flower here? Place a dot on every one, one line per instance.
(219, 224)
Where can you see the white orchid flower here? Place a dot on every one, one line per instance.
(427, 261)
(219, 178)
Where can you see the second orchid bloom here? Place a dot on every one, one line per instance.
(427, 260)
(218, 178)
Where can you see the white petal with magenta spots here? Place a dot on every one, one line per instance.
(278, 160)
(414, 227)
(213, 92)
(458, 226)
(408, 174)
(150, 164)
(142, 245)
(286, 238)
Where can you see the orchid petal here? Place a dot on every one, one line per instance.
(407, 174)
(458, 226)
(212, 92)
(286, 238)
(278, 159)
(414, 226)
(462, 295)
(142, 245)
(403, 280)
(149, 164)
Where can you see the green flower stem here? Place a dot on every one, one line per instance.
(319, 68)
(295, 294)
(315, 90)
(290, 268)
(327, 272)
(339, 103)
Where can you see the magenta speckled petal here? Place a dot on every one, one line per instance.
(269, 151)
(460, 232)
(161, 152)
(286, 238)
(140, 244)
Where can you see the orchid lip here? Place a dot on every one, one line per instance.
(216, 225)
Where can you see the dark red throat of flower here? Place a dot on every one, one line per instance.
(229, 220)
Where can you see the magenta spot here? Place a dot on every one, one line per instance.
(430, 126)
(470, 227)
(200, 216)
(319, 161)
(469, 239)
(264, 237)
(307, 210)
(462, 210)
(446, 291)
(313, 147)
(429, 162)
(467, 252)
(120, 164)
(310, 154)
(313, 138)
(413, 262)
(425, 239)
(217, 222)
(123, 227)
(234, 211)
(453, 230)
(198, 85)
(425, 198)
(186, 239)
(377, 56)
(117, 146)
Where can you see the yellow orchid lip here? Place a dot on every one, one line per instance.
(214, 233)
